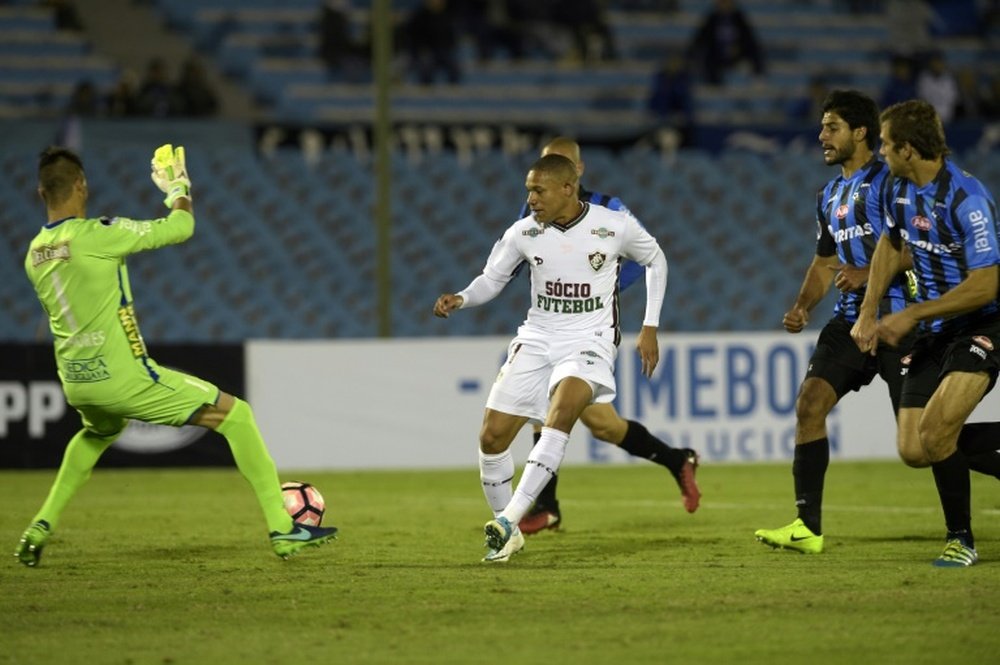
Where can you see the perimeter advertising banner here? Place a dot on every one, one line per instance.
(419, 403)
(36, 423)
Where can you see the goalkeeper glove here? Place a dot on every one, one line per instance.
(170, 174)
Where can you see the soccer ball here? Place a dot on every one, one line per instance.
(303, 502)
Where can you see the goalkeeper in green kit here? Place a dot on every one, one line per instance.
(77, 266)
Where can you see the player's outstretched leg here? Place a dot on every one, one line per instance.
(29, 550)
(545, 513)
(301, 536)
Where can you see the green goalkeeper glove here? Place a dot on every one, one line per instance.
(170, 174)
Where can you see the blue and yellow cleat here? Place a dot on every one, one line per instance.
(956, 555)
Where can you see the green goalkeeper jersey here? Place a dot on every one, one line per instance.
(77, 267)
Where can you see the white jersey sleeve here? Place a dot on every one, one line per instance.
(499, 270)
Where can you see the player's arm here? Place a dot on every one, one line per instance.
(815, 285)
(641, 247)
(886, 262)
(501, 266)
(656, 286)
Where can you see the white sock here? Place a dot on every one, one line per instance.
(543, 463)
(497, 474)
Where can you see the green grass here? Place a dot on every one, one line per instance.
(173, 567)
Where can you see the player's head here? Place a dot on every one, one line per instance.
(552, 185)
(568, 148)
(850, 119)
(911, 131)
(60, 176)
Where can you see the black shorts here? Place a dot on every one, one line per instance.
(974, 348)
(838, 361)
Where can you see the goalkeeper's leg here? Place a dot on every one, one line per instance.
(254, 461)
(78, 462)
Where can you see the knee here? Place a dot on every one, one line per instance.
(912, 454)
(491, 441)
(810, 410)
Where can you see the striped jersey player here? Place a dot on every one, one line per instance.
(949, 227)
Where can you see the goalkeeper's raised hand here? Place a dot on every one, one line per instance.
(170, 174)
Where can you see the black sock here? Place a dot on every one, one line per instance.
(951, 476)
(809, 471)
(638, 442)
(547, 497)
(979, 442)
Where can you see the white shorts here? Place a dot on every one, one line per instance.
(536, 363)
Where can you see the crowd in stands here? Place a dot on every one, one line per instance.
(156, 95)
(431, 34)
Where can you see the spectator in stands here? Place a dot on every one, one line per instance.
(901, 85)
(122, 101)
(193, 93)
(724, 40)
(809, 106)
(344, 56)
(991, 99)
(671, 100)
(936, 84)
(65, 15)
(970, 95)
(587, 23)
(432, 35)
(156, 94)
(494, 25)
(84, 102)
(909, 23)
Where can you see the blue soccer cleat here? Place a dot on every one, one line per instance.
(301, 536)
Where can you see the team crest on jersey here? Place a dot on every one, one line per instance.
(533, 232)
(984, 342)
(842, 211)
(921, 223)
(602, 233)
(906, 360)
(597, 260)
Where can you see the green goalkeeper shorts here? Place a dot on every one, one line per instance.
(172, 398)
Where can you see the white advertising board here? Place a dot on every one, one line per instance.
(419, 403)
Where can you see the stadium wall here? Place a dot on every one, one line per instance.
(419, 403)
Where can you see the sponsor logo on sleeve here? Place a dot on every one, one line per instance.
(45, 253)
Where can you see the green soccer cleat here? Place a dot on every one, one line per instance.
(514, 545)
(302, 535)
(956, 555)
(29, 550)
(796, 536)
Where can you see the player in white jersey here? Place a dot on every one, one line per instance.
(562, 358)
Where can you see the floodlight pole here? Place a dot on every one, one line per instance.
(381, 64)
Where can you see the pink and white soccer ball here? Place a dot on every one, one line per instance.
(303, 502)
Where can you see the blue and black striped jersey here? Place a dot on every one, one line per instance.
(950, 227)
(850, 221)
(630, 270)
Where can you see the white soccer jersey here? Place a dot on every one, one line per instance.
(574, 268)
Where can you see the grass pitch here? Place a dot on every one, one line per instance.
(173, 567)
